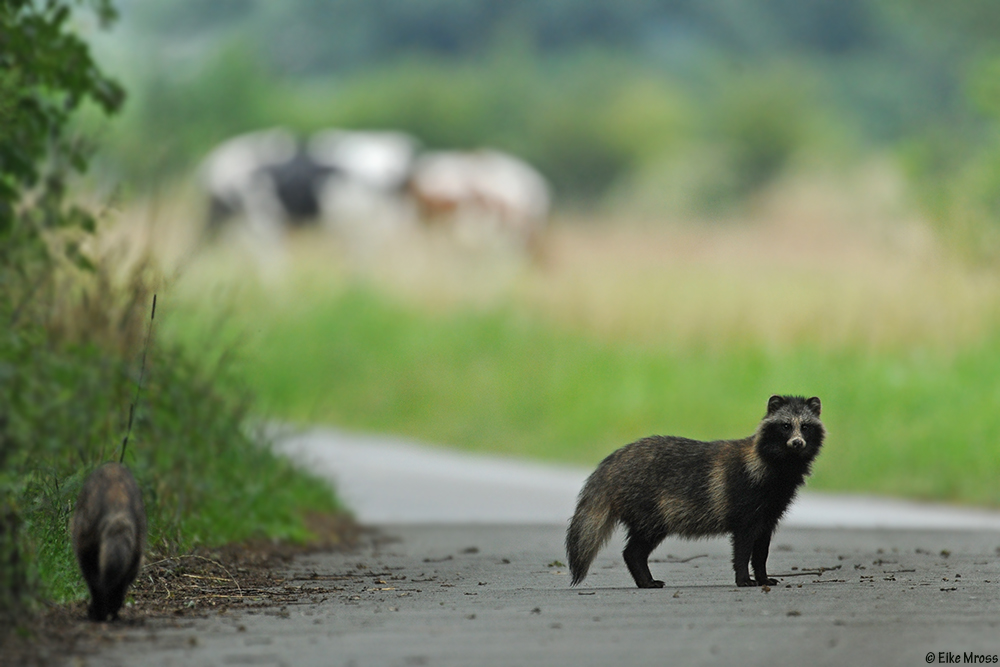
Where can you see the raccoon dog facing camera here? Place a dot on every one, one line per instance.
(664, 485)
(109, 535)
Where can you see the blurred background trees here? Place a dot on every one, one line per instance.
(717, 97)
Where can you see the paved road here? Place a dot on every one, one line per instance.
(495, 592)
(495, 595)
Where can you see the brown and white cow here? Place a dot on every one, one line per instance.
(483, 189)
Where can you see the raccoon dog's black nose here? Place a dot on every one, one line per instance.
(797, 443)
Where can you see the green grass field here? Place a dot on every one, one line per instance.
(568, 360)
(921, 425)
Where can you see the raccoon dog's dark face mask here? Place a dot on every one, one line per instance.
(792, 427)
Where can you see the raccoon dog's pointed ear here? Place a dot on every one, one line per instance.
(774, 403)
(813, 405)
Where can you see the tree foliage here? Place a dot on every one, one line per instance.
(46, 74)
(761, 83)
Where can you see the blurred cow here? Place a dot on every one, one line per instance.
(371, 171)
(367, 184)
(483, 190)
(266, 177)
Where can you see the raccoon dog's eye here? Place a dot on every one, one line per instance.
(786, 426)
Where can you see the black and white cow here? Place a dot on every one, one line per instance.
(266, 177)
(368, 193)
(275, 181)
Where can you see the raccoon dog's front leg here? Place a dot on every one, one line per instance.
(759, 560)
(751, 546)
(743, 544)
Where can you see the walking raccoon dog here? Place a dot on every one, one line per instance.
(109, 535)
(663, 485)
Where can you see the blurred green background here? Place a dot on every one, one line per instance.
(602, 99)
(751, 198)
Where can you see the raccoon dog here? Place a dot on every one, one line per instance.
(109, 535)
(663, 485)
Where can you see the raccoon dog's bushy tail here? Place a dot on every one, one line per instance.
(117, 553)
(591, 526)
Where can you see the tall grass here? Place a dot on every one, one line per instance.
(625, 331)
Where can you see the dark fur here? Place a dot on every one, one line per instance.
(109, 536)
(661, 486)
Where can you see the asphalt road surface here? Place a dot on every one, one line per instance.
(483, 582)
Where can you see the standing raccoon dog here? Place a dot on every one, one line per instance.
(664, 485)
(109, 534)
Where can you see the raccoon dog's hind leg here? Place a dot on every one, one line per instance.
(636, 554)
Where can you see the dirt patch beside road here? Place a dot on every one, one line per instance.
(174, 590)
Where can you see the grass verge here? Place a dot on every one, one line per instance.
(69, 365)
